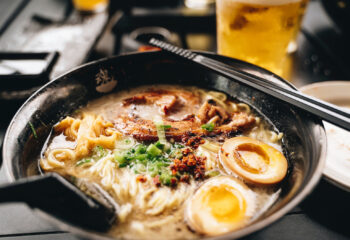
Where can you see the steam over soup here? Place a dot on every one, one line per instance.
(181, 162)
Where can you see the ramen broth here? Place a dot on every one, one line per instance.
(106, 142)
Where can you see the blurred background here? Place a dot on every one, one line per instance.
(42, 39)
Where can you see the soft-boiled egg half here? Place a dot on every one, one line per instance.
(220, 205)
(253, 160)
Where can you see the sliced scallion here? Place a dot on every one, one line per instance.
(209, 127)
(83, 161)
(33, 130)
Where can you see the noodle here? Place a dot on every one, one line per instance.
(95, 131)
(244, 107)
(213, 119)
(94, 149)
(234, 107)
(56, 158)
(218, 95)
(124, 211)
(88, 133)
(104, 168)
(69, 126)
(211, 146)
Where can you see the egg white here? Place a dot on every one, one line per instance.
(199, 217)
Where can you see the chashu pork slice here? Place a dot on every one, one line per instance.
(170, 103)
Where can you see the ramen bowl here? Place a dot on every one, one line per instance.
(304, 142)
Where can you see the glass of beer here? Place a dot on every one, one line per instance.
(261, 32)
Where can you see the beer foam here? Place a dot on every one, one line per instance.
(263, 2)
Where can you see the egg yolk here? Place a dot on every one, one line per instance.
(254, 161)
(226, 204)
(252, 157)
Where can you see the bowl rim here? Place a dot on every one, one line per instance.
(252, 228)
(324, 84)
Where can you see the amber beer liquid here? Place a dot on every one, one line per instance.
(90, 5)
(259, 31)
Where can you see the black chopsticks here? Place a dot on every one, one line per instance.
(324, 110)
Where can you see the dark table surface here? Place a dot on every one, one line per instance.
(322, 215)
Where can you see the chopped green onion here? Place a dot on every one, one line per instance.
(141, 157)
(160, 130)
(125, 143)
(178, 145)
(153, 150)
(165, 178)
(33, 130)
(122, 165)
(42, 123)
(140, 168)
(166, 127)
(212, 173)
(176, 153)
(83, 161)
(153, 159)
(120, 158)
(159, 145)
(99, 152)
(209, 126)
(140, 149)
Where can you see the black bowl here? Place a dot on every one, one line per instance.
(304, 137)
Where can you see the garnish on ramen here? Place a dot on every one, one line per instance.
(181, 162)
